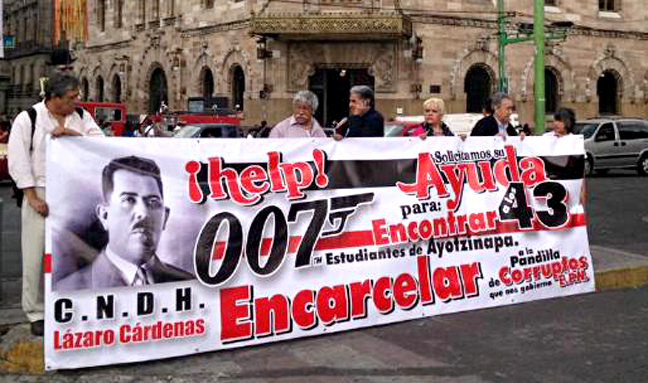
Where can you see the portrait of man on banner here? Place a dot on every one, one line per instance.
(133, 214)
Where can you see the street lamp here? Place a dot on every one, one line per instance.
(263, 53)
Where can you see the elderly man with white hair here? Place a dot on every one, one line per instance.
(301, 124)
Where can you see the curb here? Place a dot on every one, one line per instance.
(21, 352)
(621, 278)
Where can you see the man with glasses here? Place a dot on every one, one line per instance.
(54, 117)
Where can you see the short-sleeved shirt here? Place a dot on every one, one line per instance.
(290, 128)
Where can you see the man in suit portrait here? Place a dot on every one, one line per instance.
(134, 215)
(497, 123)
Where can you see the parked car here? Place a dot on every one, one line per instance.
(4, 167)
(209, 131)
(461, 124)
(615, 143)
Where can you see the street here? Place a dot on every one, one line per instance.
(617, 208)
(600, 337)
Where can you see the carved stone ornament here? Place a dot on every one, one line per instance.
(383, 71)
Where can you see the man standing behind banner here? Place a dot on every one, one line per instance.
(364, 121)
(134, 215)
(53, 117)
(498, 123)
(301, 123)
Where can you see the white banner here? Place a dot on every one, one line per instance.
(165, 247)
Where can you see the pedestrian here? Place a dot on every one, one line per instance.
(301, 124)
(4, 132)
(56, 116)
(433, 109)
(527, 130)
(148, 128)
(364, 119)
(487, 107)
(563, 123)
(107, 129)
(497, 124)
(264, 130)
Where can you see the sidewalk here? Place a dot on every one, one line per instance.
(22, 353)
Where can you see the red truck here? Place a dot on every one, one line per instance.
(112, 112)
(219, 116)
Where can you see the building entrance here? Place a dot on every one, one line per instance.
(332, 85)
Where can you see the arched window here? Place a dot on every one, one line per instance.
(477, 86)
(238, 87)
(119, 13)
(85, 89)
(101, 14)
(207, 84)
(552, 91)
(157, 90)
(99, 89)
(116, 89)
(607, 89)
(155, 8)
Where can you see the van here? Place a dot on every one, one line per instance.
(615, 143)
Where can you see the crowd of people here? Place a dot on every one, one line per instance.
(365, 121)
(57, 115)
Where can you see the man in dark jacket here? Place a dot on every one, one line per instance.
(497, 124)
(364, 120)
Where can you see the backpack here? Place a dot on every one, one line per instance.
(31, 112)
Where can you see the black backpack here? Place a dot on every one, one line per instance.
(31, 112)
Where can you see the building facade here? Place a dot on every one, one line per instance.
(255, 54)
(30, 22)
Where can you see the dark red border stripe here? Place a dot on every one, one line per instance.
(365, 238)
(47, 263)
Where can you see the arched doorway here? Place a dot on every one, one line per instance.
(99, 87)
(157, 90)
(116, 89)
(85, 89)
(477, 86)
(607, 89)
(238, 87)
(332, 85)
(207, 84)
(552, 91)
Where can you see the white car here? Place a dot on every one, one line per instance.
(462, 123)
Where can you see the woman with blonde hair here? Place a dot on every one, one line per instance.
(433, 109)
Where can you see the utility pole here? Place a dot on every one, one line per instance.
(527, 32)
(538, 67)
(501, 39)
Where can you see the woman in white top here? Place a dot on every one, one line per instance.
(563, 124)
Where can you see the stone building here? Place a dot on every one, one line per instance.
(30, 22)
(255, 54)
